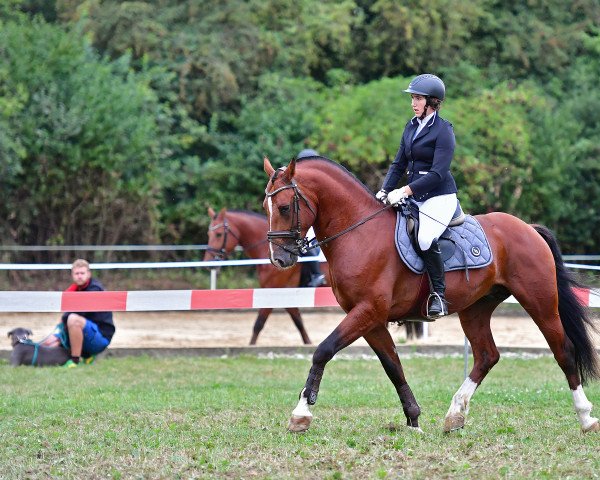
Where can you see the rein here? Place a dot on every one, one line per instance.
(350, 228)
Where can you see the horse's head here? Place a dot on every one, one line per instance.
(289, 213)
(222, 238)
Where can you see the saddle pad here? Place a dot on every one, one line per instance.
(472, 246)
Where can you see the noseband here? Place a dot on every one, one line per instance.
(294, 233)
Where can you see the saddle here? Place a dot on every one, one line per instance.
(464, 244)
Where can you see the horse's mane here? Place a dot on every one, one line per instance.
(338, 166)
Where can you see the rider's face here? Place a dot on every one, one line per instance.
(418, 104)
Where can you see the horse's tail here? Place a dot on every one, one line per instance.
(575, 316)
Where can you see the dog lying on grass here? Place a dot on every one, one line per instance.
(26, 352)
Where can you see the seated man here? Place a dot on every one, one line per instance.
(90, 332)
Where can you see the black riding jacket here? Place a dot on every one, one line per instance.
(425, 160)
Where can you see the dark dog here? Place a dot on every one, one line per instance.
(24, 351)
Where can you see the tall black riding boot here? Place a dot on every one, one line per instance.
(436, 303)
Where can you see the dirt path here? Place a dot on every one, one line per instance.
(233, 329)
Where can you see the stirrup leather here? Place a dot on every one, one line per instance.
(442, 303)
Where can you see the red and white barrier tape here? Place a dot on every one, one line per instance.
(156, 300)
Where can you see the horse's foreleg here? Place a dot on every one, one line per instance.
(297, 319)
(356, 324)
(381, 342)
(475, 322)
(259, 323)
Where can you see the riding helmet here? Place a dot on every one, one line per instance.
(428, 85)
(307, 152)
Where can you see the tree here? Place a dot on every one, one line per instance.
(82, 142)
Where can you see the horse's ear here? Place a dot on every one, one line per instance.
(268, 167)
(211, 212)
(223, 212)
(290, 170)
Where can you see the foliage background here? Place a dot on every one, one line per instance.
(120, 121)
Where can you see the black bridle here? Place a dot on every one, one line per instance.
(221, 253)
(302, 244)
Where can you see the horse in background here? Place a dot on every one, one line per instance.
(374, 286)
(230, 228)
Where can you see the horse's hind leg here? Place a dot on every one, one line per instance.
(259, 323)
(297, 319)
(545, 315)
(381, 342)
(475, 322)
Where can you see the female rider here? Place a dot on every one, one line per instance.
(424, 156)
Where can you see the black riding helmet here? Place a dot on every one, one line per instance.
(427, 85)
(307, 152)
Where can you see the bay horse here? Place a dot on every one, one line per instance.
(374, 287)
(230, 228)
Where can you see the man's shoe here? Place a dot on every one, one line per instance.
(89, 360)
(70, 364)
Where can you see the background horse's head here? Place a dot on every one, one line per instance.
(222, 236)
(290, 214)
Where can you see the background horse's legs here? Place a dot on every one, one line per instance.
(259, 323)
(359, 321)
(475, 322)
(414, 330)
(380, 340)
(297, 318)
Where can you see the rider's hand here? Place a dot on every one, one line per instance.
(396, 196)
(381, 195)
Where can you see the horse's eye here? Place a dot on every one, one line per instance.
(284, 209)
(218, 235)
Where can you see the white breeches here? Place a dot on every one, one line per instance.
(435, 214)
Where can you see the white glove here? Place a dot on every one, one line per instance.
(396, 196)
(381, 195)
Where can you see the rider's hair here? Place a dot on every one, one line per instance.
(434, 103)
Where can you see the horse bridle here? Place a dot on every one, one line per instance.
(301, 244)
(221, 253)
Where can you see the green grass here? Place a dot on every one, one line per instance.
(226, 418)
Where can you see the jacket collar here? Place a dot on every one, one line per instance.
(425, 129)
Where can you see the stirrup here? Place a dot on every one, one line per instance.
(443, 304)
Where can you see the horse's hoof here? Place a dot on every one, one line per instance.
(415, 429)
(454, 422)
(594, 428)
(299, 424)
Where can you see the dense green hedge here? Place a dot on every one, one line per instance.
(120, 121)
